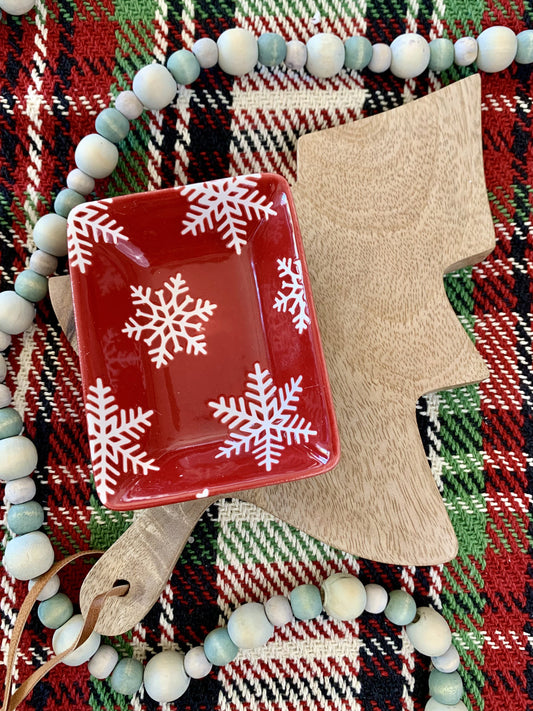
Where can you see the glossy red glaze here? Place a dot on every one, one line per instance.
(157, 422)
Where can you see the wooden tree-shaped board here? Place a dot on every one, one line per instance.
(386, 206)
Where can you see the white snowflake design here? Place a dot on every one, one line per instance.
(229, 204)
(169, 319)
(113, 439)
(263, 419)
(291, 297)
(88, 224)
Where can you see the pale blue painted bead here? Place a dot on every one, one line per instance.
(357, 53)
(50, 588)
(206, 52)
(429, 632)
(306, 602)
(18, 491)
(296, 55)
(465, 51)
(279, 611)
(80, 182)
(113, 125)
(50, 234)
(325, 55)
(381, 58)
(66, 200)
(5, 341)
(376, 598)
(18, 458)
(165, 678)
(3, 368)
(16, 313)
(249, 627)
(96, 156)
(344, 596)
(409, 55)
(401, 607)
(55, 611)
(127, 676)
(440, 54)
(10, 423)
(184, 67)
(445, 688)
(447, 662)
(67, 634)
(272, 49)
(154, 86)
(219, 648)
(434, 705)
(524, 51)
(26, 517)
(128, 105)
(496, 49)
(28, 556)
(5, 392)
(43, 263)
(31, 286)
(196, 664)
(237, 51)
(102, 663)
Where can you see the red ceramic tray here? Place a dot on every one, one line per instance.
(200, 354)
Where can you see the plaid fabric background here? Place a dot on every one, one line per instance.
(59, 66)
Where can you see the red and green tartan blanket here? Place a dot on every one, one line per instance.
(59, 66)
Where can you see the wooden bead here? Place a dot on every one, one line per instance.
(5, 392)
(376, 598)
(28, 556)
(401, 607)
(127, 676)
(237, 51)
(16, 314)
(306, 602)
(102, 663)
(55, 611)
(434, 705)
(429, 633)
(196, 664)
(445, 688)
(154, 86)
(325, 55)
(206, 52)
(67, 634)
(381, 58)
(344, 596)
(165, 678)
(497, 47)
(249, 627)
(465, 51)
(279, 611)
(49, 590)
(447, 662)
(50, 234)
(96, 156)
(18, 457)
(18, 491)
(409, 55)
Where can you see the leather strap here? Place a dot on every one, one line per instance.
(12, 700)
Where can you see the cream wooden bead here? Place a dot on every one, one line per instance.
(154, 86)
(434, 705)
(67, 634)
(429, 632)
(18, 457)
(497, 48)
(16, 314)
(18, 491)
(237, 51)
(196, 664)
(249, 627)
(325, 55)
(49, 590)
(381, 58)
(5, 340)
(102, 663)
(29, 555)
(279, 611)
(465, 51)
(344, 596)
(447, 662)
(165, 678)
(376, 598)
(409, 55)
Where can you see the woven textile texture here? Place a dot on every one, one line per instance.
(59, 66)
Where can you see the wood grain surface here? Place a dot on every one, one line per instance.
(386, 206)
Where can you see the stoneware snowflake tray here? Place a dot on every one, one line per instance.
(201, 361)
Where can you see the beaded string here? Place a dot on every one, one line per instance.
(30, 554)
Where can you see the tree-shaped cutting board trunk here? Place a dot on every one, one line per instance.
(387, 205)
